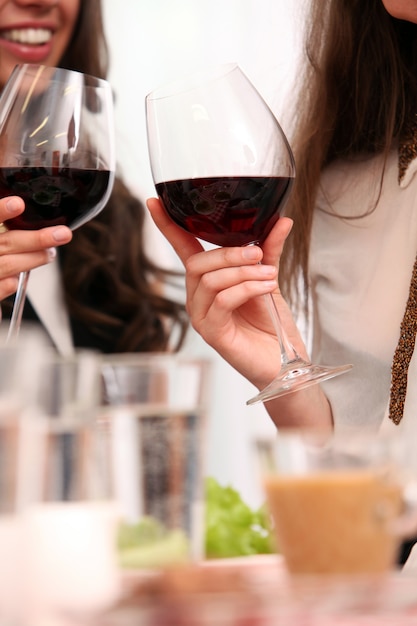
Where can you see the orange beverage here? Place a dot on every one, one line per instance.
(337, 521)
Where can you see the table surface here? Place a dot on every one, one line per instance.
(257, 591)
(268, 596)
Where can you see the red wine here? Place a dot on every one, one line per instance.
(64, 195)
(226, 211)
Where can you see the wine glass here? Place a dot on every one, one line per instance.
(223, 169)
(56, 151)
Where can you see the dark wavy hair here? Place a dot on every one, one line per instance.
(110, 285)
(357, 91)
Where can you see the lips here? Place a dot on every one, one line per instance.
(27, 44)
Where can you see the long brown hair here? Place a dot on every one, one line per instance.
(358, 88)
(110, 284)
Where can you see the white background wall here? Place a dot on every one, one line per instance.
(151, 42)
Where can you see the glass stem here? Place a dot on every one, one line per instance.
(19, 303)
(288, 352)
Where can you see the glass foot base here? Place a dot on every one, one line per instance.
(295, 377)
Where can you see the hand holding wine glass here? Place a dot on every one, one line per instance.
(56, 151)
(223, 169)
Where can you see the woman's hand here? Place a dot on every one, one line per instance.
(225, 303)
(23, 250)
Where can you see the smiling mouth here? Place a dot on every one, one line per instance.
(28, 36)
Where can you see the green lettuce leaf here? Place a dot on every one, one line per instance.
(232, 527)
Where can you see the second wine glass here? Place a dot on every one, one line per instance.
(56, 151)
(223, 169)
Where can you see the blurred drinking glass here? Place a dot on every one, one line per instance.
(339, 505)
(70, 517)
(20, 364)
(154, 415)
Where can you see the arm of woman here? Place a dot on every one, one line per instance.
(22, 250)
(223, 299)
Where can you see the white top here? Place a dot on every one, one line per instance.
(44, 291)
(361, 270)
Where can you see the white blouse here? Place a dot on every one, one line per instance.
(360, 270)
(44, 291)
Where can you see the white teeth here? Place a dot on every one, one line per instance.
(32, 36)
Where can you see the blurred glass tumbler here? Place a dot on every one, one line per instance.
(70, 464)
(154, 413)
(19, 367)
(70, 516)
(339, 505)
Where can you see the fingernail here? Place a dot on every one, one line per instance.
(51, 254)
(60, 234)
(251, 252)
(12, 205)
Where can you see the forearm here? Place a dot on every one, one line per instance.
(308, 408)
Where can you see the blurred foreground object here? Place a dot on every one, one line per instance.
(20, 367)
(154, 416)
(340, 505)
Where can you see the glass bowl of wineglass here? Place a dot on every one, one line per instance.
(224, 169)
(56, 151)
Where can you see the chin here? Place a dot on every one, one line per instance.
(402, 9)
